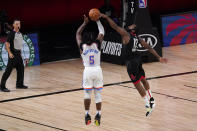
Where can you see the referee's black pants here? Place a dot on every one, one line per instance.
(16, 62)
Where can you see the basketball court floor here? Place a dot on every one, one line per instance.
(54, 100)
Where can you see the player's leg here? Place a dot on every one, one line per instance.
(98, 101)
(142, 92)
(147, 87)
(135, 74)
(149, 93)
(87, 102)
(87, 85)
(145, 82)
(98, 85)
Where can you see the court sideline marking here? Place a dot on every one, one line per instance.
(174, 97)
(190, 86)
(32, 122)
(72, 90)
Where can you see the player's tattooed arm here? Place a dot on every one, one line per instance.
(80, 30)
(121, 31)
(151, 50)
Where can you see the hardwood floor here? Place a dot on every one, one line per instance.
(54, 100)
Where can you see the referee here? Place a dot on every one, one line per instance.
(14, 46)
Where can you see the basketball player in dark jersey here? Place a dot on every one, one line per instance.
(134, 62)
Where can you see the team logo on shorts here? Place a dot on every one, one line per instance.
(142, 3)
(28, 52)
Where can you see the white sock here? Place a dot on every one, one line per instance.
(149, 93)
(98, 112)
(86, 112)
(146, 101)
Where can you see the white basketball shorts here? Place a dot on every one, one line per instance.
(92, 78)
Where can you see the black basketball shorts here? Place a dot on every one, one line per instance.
(135, 70)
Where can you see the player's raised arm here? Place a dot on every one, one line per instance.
(151, 50)
(101, 31)
(121, 31)
(80, 30)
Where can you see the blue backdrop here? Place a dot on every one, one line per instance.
(179, 29)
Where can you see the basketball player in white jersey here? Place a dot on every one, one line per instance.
(92, 75)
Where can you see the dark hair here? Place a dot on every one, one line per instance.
(15, 20)
(88, 37)
(90, 33)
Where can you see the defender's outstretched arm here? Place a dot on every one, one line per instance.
(120, 30)
(151, 50)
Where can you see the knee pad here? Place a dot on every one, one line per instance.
(87, 94)
(97, 94)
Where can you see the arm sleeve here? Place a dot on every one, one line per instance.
(100, 27)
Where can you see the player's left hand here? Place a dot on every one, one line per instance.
(163, 60)
(86, 20)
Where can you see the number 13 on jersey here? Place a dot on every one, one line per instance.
(91, 58)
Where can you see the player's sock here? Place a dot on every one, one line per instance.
(146, 101)
(149, 93)
(86, 112)
(151, 99)
(98, 112)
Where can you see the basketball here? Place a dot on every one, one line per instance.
(94, 14)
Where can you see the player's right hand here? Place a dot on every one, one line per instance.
(11, 55)
(86, 20)
(103, 15)
(163, 60)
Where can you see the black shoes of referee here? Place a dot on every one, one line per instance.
(4, 89)
(21, 87)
